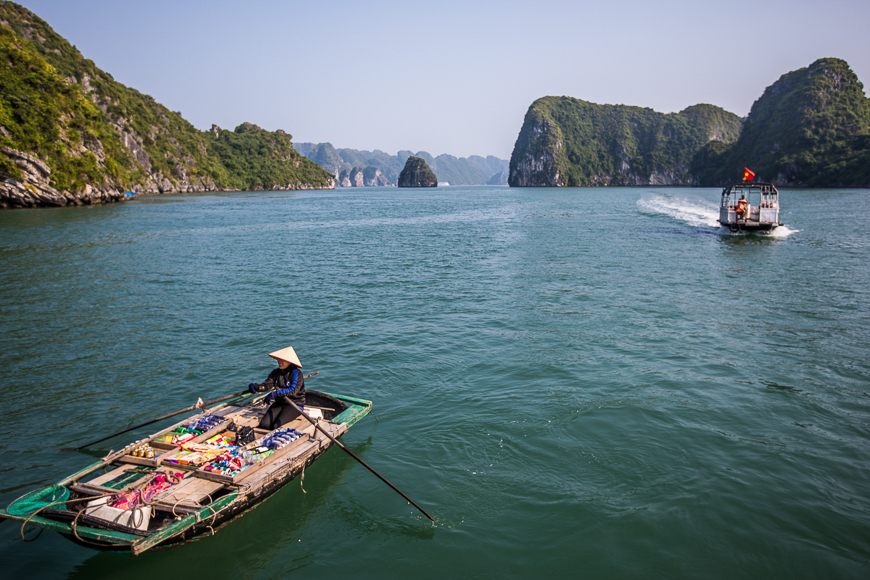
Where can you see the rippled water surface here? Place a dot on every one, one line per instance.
(574, 382)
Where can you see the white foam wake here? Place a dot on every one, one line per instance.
(699, 214)
(695, 213)
(782, 232)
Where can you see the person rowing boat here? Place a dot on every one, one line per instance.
(287, 386)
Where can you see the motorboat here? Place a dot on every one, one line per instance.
(750, 206)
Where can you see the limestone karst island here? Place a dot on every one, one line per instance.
(417, 174)
(70, 134)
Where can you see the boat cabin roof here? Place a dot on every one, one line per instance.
(747, 187)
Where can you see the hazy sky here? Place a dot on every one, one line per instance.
(448, 77)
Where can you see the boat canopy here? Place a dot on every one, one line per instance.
(758, 194)
(750, 206)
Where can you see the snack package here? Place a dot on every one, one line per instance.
(225, 439)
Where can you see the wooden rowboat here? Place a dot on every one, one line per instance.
(186, 487)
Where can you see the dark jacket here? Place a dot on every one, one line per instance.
(289, 385)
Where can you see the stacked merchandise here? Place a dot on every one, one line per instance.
(227, 453)
(139, 449)
(225, 439)
(281, 438)
(179, 436)
(190, 431)
(195, 454)
(236, 459)
(206, 423)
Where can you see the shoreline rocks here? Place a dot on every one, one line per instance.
(33, 189)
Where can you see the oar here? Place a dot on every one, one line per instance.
(367, 466)
(185, 410)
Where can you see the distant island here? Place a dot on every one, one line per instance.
(473, 170)
(810, 128)
(416, 173)
(70, 134)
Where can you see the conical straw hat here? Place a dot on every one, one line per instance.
(287, 354)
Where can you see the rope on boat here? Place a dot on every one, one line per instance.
(175, 515)
(76, 531)
(302, 479)
(63, 501)
(213, 517)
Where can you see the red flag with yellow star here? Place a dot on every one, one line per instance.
(748, 174)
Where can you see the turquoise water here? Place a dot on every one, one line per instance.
(574, 382)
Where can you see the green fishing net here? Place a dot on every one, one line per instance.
(27, 504)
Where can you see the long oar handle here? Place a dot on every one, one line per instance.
(367, 466)
(185, 410)
(146, 423)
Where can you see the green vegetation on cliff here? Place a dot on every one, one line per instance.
(258, 159)
(42, 114)
(90, 130)
(416, 173)
(809, 128)
(567, 141)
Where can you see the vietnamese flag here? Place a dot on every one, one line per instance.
(748, 174)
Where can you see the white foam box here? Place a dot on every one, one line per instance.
(138, 518)
(313, 413)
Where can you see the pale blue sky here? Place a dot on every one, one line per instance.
(448, 77)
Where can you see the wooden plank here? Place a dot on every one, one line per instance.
(279, 469)
(219, 477)
(357, 409)
(110, 536)
(301, 448)
(190, 490)
(112, 457)
(91, 522)
(181, 525)
(87, 489)
(154, 462)
(93, 467)
(109, 476)
(271, 461)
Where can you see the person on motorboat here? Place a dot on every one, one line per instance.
(287, 386)
(742, 207)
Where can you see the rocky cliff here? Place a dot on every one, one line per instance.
(416, 173)
(473, 170)
(809, 128)
(358, 177)
(499, 178)
(32, 186)
(70, 134)
(569, 142)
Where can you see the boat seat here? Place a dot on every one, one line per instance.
(186, 496)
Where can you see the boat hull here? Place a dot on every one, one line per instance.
(229, 497)
(211, 523)
(748, 226)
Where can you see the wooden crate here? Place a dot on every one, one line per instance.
(154, 462)
(297, 447)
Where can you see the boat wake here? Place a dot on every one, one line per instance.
(699, 214)
(696, 213)
(782, 232)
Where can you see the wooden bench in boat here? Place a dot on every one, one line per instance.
(186, 496)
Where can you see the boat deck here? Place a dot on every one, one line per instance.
(200, 498)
